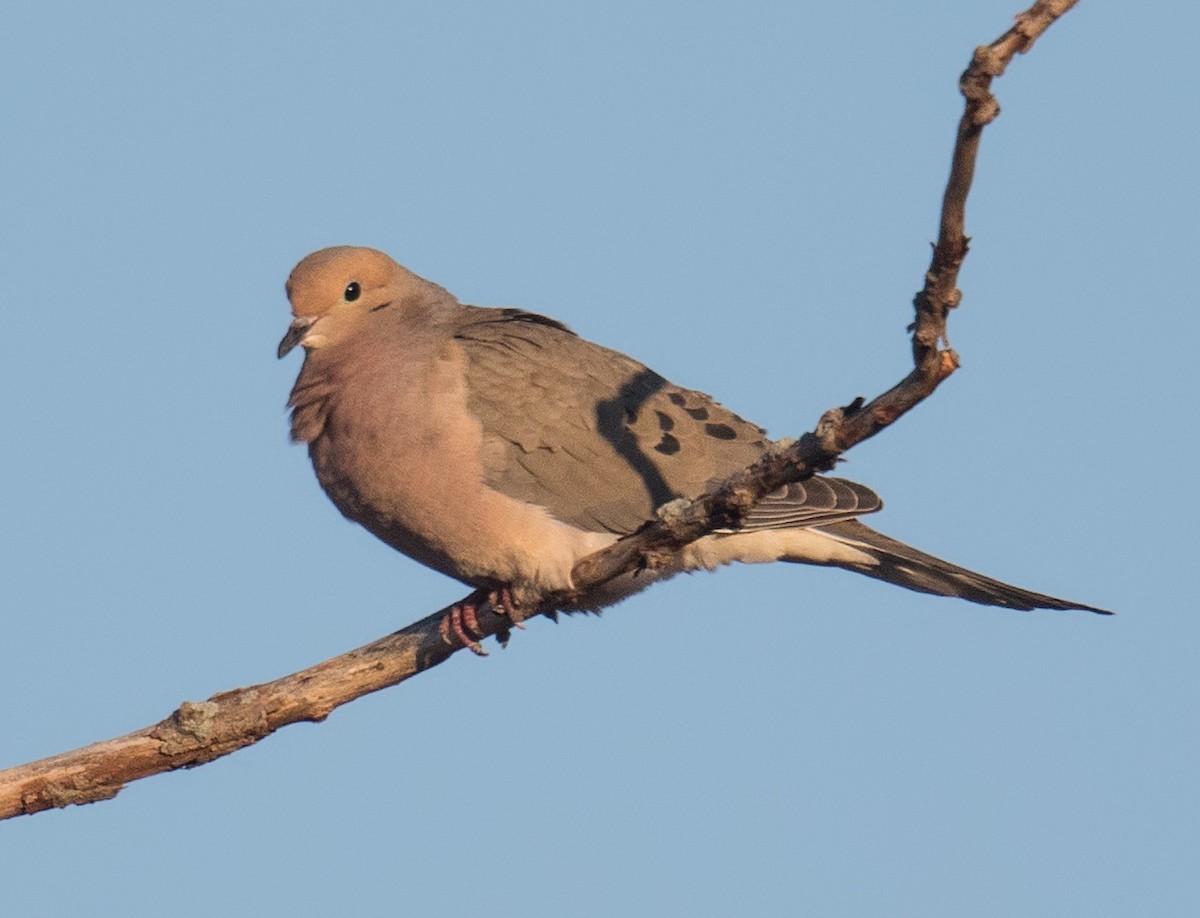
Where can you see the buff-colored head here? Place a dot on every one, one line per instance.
(331, 291)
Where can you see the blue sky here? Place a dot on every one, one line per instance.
(741, 196)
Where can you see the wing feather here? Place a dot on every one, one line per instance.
(601, 441)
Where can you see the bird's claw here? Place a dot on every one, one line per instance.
(462, 624)
(504, 604)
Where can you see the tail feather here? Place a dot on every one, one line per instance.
(907, 567)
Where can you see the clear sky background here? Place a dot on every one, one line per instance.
(740, 195)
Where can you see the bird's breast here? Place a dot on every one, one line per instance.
(406, 462)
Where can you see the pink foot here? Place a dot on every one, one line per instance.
(462, 622)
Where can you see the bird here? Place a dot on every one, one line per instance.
(498, 447)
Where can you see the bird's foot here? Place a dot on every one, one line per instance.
(461, 623)
(504, 604)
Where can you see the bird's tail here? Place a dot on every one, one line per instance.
(905, 566)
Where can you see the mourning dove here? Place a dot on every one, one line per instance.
(498, 447)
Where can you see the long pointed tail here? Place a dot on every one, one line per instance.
(907, 567)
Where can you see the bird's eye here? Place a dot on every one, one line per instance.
(353, 291)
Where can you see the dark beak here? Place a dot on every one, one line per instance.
(295, 334)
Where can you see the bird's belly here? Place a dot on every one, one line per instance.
(444, 516)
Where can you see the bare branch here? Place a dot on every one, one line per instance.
(200, 732)
(842, 428)
(197, 733)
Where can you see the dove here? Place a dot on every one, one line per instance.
(498, 447)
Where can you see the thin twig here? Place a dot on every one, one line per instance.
(842, 428)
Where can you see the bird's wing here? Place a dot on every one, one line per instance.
(601, 441)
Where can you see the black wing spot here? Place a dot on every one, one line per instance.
(720, 431)
(610, 416)
(668, 445)
(699, 414)
(676, 399)
(664, 421)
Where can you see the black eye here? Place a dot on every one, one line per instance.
(353, 291)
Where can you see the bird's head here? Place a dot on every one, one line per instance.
(331, 291)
